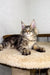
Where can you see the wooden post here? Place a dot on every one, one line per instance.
(39, 71)
(48, 72)
(16, 71)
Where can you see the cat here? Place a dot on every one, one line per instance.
(25, 41)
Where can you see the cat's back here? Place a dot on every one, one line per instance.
(13, 37)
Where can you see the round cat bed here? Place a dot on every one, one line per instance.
(36, 60)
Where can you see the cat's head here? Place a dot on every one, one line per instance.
(29, 30)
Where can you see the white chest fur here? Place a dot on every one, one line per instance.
(30, 44)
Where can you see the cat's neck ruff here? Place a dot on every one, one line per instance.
(30, 40)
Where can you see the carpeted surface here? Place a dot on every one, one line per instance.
(34, 61)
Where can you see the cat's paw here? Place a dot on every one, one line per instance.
(41, 49)
(1, 47)
(26, 52)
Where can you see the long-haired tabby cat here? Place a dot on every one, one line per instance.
(25, 41)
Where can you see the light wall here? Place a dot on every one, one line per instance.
(40, 11)
(13, 11)
(11, 14)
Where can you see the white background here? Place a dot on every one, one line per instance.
(13, 11)
(11, 14)
(40, 11)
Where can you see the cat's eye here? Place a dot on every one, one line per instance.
(24, 30)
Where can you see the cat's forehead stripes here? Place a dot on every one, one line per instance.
(27, 27)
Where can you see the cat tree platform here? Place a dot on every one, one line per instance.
(36, 60)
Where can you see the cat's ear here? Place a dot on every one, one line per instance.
(23, 25)
(36, 31)
(33, 24)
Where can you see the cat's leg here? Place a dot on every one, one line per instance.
(38, 48)
(3, 45)
(24, 50)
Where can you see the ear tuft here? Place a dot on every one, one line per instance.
(23, 25)
(33, 24)
(22, 22)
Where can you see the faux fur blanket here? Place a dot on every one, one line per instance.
(36, 60)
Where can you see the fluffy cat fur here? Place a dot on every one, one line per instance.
(25, 41)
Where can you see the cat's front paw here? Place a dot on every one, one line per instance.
(26, 52)
(41, 49)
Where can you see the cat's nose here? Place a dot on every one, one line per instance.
(27, 31)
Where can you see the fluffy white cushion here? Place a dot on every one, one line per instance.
(36, 60)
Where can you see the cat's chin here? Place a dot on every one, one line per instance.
(28, 35)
